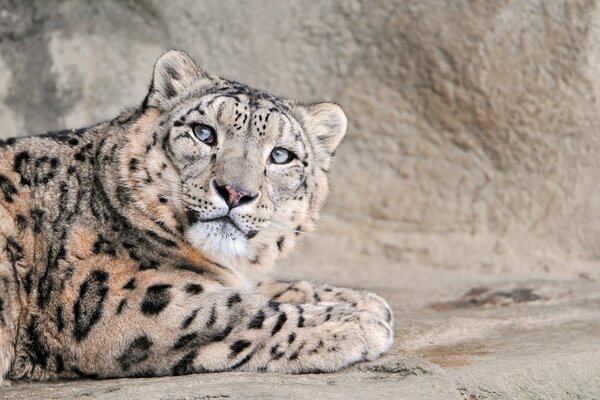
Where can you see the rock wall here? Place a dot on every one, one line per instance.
(473, 140)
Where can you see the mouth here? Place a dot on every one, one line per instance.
(223, 223)
(226, 221)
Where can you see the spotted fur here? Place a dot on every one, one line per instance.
(120, 255)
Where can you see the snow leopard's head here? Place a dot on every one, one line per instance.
(242, 171)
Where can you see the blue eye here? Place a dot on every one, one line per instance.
(279, 155)
(205, 134)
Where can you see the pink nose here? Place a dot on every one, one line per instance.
(234, 197)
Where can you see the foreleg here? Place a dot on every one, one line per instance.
(179, 328)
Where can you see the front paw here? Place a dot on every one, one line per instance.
(362, 300)
(376, 332)
(377, 305)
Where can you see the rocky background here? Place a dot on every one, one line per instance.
(473, 138)
(472, 156)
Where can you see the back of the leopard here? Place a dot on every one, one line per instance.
(142, 246)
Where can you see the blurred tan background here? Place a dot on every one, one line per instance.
(467, 191)
(473, 140)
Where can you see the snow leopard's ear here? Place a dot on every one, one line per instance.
(326, 123)
(174, 73)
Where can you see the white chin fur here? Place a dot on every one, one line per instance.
(218, 240)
